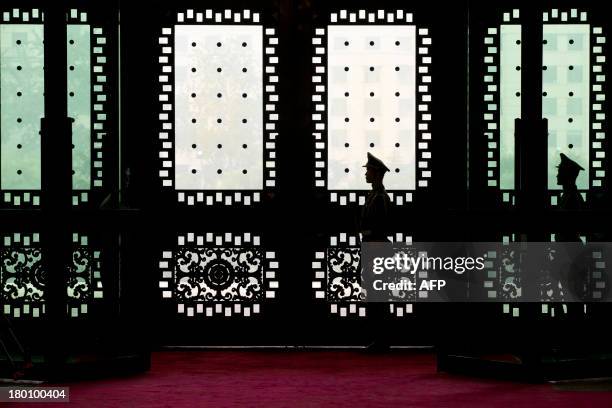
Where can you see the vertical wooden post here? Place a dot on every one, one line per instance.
(531, 130)
(56, 148)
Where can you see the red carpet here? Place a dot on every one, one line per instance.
(312, 379)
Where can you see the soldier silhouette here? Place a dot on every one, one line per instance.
(571, 277)
(567, 173)
(374, 223)
(374, 227)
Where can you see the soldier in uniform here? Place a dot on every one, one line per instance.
(571, 199)
(374, 223)
(374, 227)
(567, 172)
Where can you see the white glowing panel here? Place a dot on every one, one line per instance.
(22, 105)
(509, 99)
(218, 107)
(566, 105)
(79, 102)
(371, 104)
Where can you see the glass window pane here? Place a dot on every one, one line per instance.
(219, 103)
(218, 107)
(371, 102)
(509, 99)
(566, 81)
(21, 105)
(79, 102)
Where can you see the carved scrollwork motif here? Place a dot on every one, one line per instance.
(80, 275)
(23, 278)
(509, 273)
(219, 274)
(343, 266)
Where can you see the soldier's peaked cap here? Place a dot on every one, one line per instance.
(376, 163)
(569, 164)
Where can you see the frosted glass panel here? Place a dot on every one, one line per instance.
(79, 102)
(509, 99)
(566, 104)
(219, 107)
(371, 104)
(21, 105)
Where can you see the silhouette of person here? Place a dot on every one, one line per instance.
(567, 173)
(374, 223)
(572, 277)
(374, 227)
